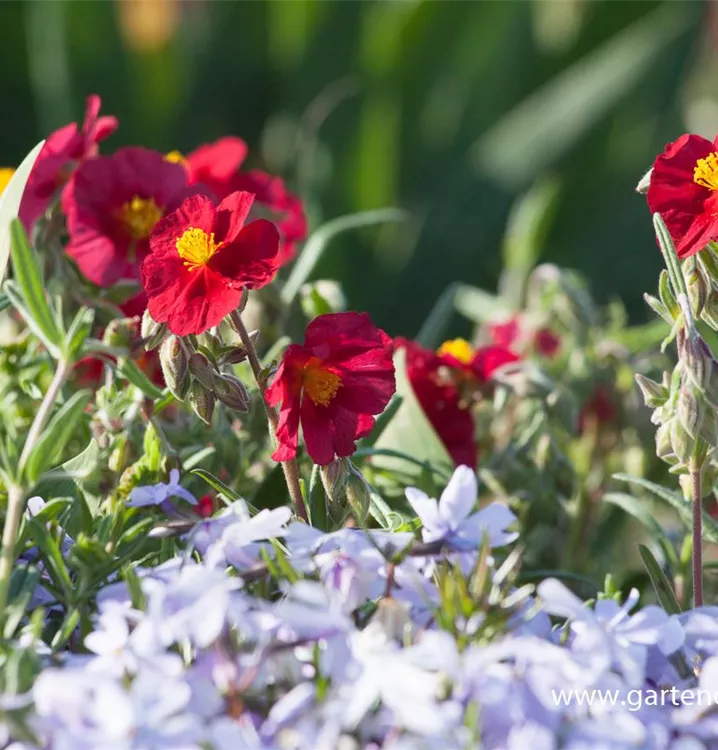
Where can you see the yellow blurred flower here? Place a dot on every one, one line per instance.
(6, 174)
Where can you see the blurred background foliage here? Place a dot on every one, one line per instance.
(450, 109)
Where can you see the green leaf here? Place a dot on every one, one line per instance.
(68, 627)
(410, 433)
(528, 225)
(52, 556)
(10, 203)
(316, 501)
(4, 302)
(23, 582)
(57, 434)
(546, 125)
(12, 291)
(677, 502)
(661, 584)
(68, 479)
(128, 369)
(78, 331)
(222, 488)
(26, 272)
(633, 507)
(319, 241)
(478, 305)
(272, 492)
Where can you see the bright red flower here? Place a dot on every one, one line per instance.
(63, 151)
(442, 403)
(509, 335)
(217, 164)
(505, 333)
(202, 257)
(684, 191)
(112, 203)
(332, 385)
(205, 506)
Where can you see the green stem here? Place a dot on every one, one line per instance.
(291, 473)
(697, 557)
(16, 493)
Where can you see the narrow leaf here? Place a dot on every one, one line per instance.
(661, 584)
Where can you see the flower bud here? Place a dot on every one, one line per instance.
(232, 392)
(664, 448)
(699, 362)
(175, 367)
(202, 401)
(681, 442)
(151, 331)
(659, 308)
(665, 292)
(358, 496)
(654, 394)
(233, 356)
(334, 477)
(688, 411)
(201, 368)
(120, 332)
(699, 288)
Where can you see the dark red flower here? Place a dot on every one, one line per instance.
(202, 257)
(217, 164)
(333, 385)
(112, 203)
(599, 409)
(205, 506)
(684, 191)
(63, 151)
(442, 403)
(547, 343)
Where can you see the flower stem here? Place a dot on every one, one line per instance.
(697, 497)
(291, 473)
(16, 494)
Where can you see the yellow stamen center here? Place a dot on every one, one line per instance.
(5, 176)
(139, 216)
(459, 349)
(320, 384)
(706, 172)
(176, 157)
(196, 247)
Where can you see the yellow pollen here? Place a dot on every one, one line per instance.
(459, 349)
(176, 157)
(320, 384)
(706, 172)
(196, 247)
(139, 216)
(5, 177)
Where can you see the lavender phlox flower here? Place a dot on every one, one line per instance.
(452, 520)
(230, 734)
(610, 631)
(309, 611)
(160, 494)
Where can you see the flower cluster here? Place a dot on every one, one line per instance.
(356, 645)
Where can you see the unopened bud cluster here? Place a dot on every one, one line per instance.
(194, 370)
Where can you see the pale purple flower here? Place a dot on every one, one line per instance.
(452, 519)
(160, 493)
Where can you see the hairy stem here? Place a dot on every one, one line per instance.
(697, 498)
(16, 494)
(291, 473)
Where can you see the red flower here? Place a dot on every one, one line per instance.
(63, 151)
(442, 403)
(505, 333)
(202, 257)
(112, 204)
(217, 164)
(333, 385)
(547, 343)
(684, 191)
(205, 506)
(475, 363)
(600, 409)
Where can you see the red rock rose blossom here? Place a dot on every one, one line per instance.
(479, 363)
(333, 386)
(684, 191)
(112, 203)
(63, 151)
(512, 334)
(441, 401)
(203, 256)
(217, 164)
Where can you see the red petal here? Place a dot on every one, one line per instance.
(251, 259)
(232, 212)
(318, 430)
(196, 211)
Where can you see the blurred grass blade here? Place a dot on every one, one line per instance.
(548, 123)
(528, 225)
(661, 584)
(10, 203)
(26, 272)
(318, 242)
(478, 305)
(128, 369)
(57, 434)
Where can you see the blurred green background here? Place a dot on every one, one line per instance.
(450, 109)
